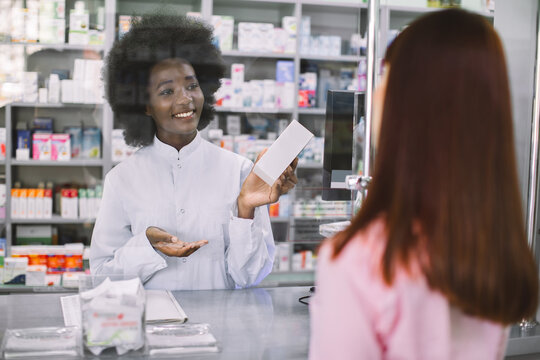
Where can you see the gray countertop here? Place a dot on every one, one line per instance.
(261, 323)
(248, 324)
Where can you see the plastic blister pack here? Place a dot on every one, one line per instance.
(54, 342)
(169, 339)
(329, 230)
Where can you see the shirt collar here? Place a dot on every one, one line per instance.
(171, 154)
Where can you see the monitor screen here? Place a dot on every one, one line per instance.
(338, 141)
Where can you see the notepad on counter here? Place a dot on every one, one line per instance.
(161, 307)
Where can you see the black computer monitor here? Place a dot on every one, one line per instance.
(338, 141)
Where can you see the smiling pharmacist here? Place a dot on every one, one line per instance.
(181, 213)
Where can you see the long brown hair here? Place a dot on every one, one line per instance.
(446, 161)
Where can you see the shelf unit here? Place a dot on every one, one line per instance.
(243, 10)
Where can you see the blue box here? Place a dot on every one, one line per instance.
(75, 135)
(284, 71)
(23, 139)
(91, 143)
(42, 125)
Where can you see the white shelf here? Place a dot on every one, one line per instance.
(279, 219)
(412, 9)
(55, 106)
(254, 54)
(420, 10)
(56, 219)
(312, 111)
(340, 58)
(58, 46)
(310, 165)
(348, 4)
(259, 110)
(257, 1)
(318, 218)
(75, 162)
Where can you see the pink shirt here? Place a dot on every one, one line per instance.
(355, 315)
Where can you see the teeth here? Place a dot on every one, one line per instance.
(182, 115)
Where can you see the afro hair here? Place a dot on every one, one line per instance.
(151, 39)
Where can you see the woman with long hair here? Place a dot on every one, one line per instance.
(435, 265)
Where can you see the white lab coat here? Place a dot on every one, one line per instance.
(189, 193)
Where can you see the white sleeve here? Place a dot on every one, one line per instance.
(114, 248)
(250, 255)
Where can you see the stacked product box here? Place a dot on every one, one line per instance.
(51, 147)
(317, 45)
(91, 143)
(285, 84)
(31, 203)
(223, 31)
(46, 264)
(89, 202)
(120, 150)
(303, 261)
(2, 256)
(313, 152)
(256, 37)
(86, 86)
(52, 22)
(75, 139)
(317, 208)
(69, 203)
(24, 22)
(79, 23)
(282, 261)
(267, 93)
(307, 90)
(76, 142)
(2, 143)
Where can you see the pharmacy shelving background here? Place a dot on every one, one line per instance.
(316, 45)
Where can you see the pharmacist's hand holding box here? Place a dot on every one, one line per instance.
(273, 174)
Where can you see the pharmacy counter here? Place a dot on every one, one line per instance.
(249, 324)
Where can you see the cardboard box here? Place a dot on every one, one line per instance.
(75, 135)
(269, 94)
(247, 36)
(60, 147)
(31, 203)
(79, 23)
(36, 275)
(288, 23)
(47, 204)
(15, 203)
(54, 89)
(41, 146)
(282, 152)
(69, 203)
(23, 203)
(91, 143)
(223, 31)
(15, 270)
(30, 87)
(34, 234)
(284, 71)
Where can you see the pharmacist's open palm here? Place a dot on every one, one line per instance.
(171, 245)
(256, 192)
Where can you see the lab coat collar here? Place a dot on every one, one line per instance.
(171, 154)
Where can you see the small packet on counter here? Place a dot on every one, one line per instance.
(113, 316)
(175, 339)
(54, 342)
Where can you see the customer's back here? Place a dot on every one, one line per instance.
(435, 265)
